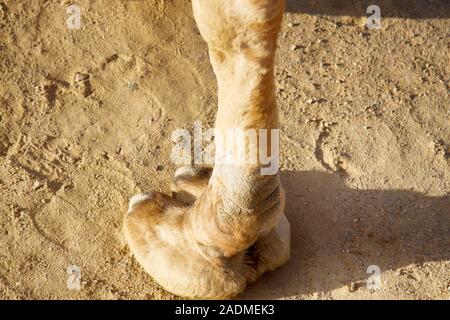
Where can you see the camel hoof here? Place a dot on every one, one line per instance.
(159, 239)
(154, 232)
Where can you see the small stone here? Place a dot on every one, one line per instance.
(67, 187)
(294, 47)
(159, 167)
(16, 210)
(44, 200)
(132, 86)
(37, 185)
(352, 287)
(79, 77)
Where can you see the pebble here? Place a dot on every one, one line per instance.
(352, 287)
(37, 185)
(81, 77)
(132, 86)
(15, 209)
(159, 167)
(67, 187)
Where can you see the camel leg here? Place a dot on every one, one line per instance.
(233, 227)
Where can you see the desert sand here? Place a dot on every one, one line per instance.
(86, 118)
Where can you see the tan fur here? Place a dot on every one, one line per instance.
(221, 230)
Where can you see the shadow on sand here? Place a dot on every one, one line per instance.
(337, 232)
(415, 9)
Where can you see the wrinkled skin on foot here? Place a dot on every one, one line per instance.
(221, 228)
(159, 232)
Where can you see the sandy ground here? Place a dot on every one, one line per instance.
(365, 143)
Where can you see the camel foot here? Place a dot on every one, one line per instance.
(158, 234)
